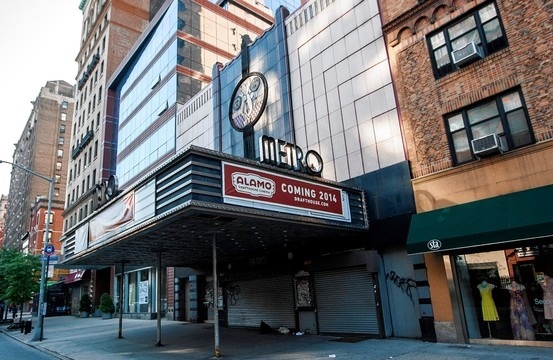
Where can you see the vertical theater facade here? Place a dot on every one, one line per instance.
(289, 198)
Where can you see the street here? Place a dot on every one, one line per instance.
(11, 349)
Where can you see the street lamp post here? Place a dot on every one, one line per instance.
(43, 273)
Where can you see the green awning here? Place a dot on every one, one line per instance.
(517, 216)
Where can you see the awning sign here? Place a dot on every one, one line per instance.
(265, 190)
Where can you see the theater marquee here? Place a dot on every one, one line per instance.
(247, 186)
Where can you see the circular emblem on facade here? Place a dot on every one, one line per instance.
(248, 101)
(434, 244)
(112, 187)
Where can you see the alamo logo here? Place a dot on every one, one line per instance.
(253, 184)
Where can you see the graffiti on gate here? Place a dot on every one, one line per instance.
(233, 294)
(405, 284)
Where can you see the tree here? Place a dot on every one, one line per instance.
(19, 277)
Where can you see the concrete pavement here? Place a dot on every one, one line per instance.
(69, 337)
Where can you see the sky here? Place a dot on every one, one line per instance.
(39, 41)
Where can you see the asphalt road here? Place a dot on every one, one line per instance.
(11, 349)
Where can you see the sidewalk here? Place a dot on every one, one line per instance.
(70, 337)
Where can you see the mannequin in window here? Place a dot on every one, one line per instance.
(547, 286)
(489, 311)
(522, 318)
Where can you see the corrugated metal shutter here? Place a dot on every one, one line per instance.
(270, 300)
(346, 302)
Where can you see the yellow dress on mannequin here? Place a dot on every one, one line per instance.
(489, 311)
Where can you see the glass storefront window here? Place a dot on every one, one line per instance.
(508, 294)
(144, 291)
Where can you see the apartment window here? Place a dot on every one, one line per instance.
(62, 129)
(473, 37)
(56, 191)
(58, 165)
(61, 140)
(60, 153)
(504, 115)
(57, 178)
(95, 149)
(63, 116)
(64, 104)
(51, 217)
(49, 236)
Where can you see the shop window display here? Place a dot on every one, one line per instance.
(508, 294)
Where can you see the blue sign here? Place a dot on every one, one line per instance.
(49, 249)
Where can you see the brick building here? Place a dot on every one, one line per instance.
(42, 148)
(472, 79)
(108, 31)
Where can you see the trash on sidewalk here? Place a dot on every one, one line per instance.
(265, 328)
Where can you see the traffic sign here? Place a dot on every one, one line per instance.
(49, 249)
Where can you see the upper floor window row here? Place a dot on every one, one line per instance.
(473, 37)
(495, 125)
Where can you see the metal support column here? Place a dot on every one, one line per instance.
(215, 299)
(158, 290)
(121, 299)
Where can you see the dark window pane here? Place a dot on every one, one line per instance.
(497, 44)
(482, 112)
(487, 127)
(511, 102)
(461, 28)
(488, 12)
(462, 147)
(456, 122)
(437, 40)
(492, 30)
(518, 125)
(441, 56)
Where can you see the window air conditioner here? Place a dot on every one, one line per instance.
(467, 54)
(486, 145)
